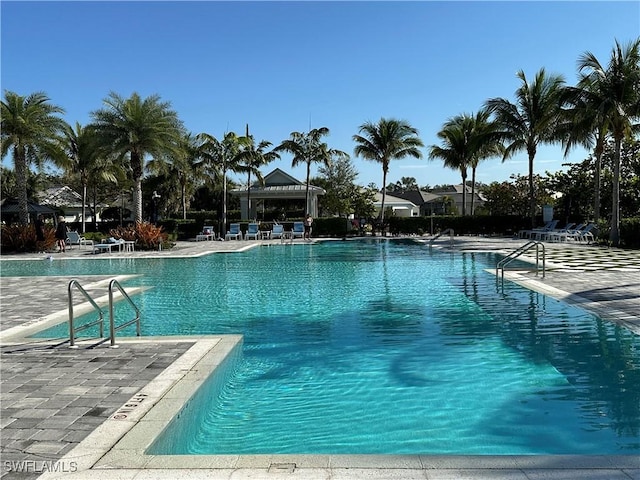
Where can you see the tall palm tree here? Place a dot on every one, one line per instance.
(531, 121)
(133, 128)
(485, 143)
(219, 157)
(455, 151)
(586, 125)
(29, 128)
(387, 140)
(308, 148)
(181, 164)
(84, 159)
(618, 102)
(253, 157)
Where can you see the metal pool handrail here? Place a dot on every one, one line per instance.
(449, 231)
(114, 283)
(72, 328)
(520, 251)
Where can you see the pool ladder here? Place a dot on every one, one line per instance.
(113, 284)
(500, 266)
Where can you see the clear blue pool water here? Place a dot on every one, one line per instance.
(386, 347)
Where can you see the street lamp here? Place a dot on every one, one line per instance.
(155, 198)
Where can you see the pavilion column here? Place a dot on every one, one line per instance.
(244, 211)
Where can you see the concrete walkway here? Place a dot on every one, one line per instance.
(54, 398)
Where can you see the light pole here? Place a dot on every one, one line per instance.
(155, 198)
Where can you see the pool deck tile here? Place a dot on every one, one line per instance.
(53, 399)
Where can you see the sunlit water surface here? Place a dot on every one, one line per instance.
(383, 347)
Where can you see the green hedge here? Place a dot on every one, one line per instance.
(630, 232)
(507, 225)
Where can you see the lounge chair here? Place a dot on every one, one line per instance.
(586, 234)
(538, 233)
(564, 234)
(208, 233)
(555, 235)
(253, 232)
(277, 230)
(234, 232)
(74, 238)
(298, 230)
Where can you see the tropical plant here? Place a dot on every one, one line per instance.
(146, 235)
(29, 128)
(456, 149)
(132, 128)
(387, 140)
(216, 158)
(253, 157)
(531, 121)
(405, 184)
(181, 164)
(485, 143)
(307, 148)
(22, 238)
(83, 159)
(587, 126)
(338, 180)
(616, 97)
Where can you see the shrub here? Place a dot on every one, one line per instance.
(22, 238)
(146, 235)
(630, 232)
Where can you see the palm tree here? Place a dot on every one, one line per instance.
(616, 98)
(485, 143)
(307, 148)
(219, 157)
(30, 128)
(531, 121)
(182, 165)
(587, 126)
(84, 159)
(253, 157)
(456, 149)
(387, 140)
(133, 128)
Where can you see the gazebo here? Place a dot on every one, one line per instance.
(10, 210)
(278, 185)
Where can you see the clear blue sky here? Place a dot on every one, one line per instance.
(285, 66)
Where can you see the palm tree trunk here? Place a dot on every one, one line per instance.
(84, 206)
(248, 193)
(183, 200)
(464, 193)
(306, 193)
(224, 202)
(384, 195)
(532, 198)
(473, 190)
(614, 236)
(20, 163)
(596, 189)
(136, 169)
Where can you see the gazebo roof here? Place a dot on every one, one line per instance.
(10, 206)
(279, 184)
(62, 196)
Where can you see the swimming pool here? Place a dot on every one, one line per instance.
(387, 347)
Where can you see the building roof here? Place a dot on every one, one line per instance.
(391, 200)
(418, 197)
(61, 197)
(10, 206)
